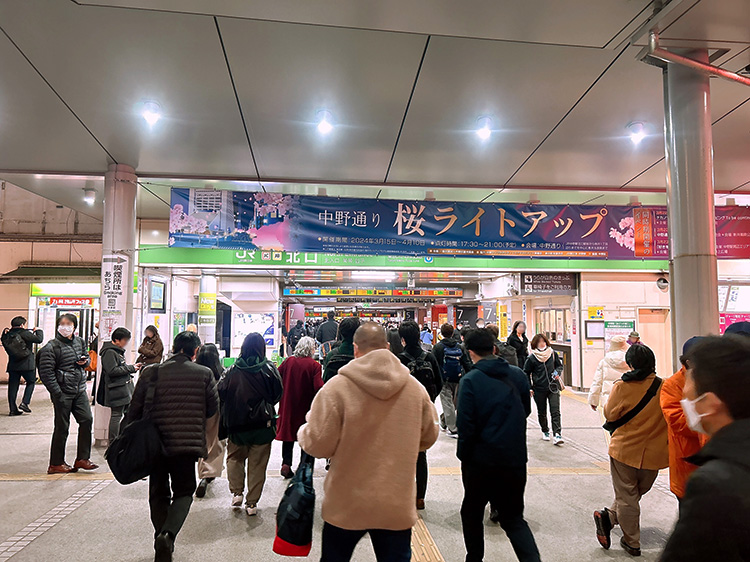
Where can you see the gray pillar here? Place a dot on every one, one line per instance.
(690, 202)
(118, 257)
(207, 309)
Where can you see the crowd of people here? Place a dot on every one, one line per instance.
(366, 405)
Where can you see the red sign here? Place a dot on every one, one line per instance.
(71, 301)
(726, 320)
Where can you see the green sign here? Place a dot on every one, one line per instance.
(152, 256)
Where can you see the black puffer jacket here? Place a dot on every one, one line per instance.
(185, 397)
(58, 366)
(30, 338)
(116, 388)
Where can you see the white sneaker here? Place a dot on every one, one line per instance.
(237, 500)
(559, 440)
(545, 436)
(252, 509)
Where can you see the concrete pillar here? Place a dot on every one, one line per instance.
(207, 309)
(690, 202)
(118, 257)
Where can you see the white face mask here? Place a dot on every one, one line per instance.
(65, 330)
(542, 347)
(692, 415)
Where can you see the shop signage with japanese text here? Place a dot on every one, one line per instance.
(114, 300)
(548, 284)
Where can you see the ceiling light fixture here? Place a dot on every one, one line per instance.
(374, 275)
(637, 131)
(484, 130)
(324, 122)
(151, 112)
(89, 196)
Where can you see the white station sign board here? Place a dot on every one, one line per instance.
(114, 298)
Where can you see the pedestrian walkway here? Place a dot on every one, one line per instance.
(89, 516)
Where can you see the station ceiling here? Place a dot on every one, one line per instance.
(240, 84)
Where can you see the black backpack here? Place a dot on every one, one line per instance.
(421, 369)
(335, 363)
(507, 352)
(15, 346)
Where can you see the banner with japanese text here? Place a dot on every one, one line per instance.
(274, 222)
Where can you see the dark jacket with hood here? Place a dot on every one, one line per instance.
(185, 397)
(493, 404)
(714, 519)
(521, 345)
(541, 373)
(29, 338)
(250, 386)
(327, 331)
(338, 357)
(116, 386)
(439, 352)
(58, 368)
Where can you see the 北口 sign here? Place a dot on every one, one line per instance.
(273, 222)
(548, 284)
(113, 302)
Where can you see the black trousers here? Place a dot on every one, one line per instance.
(422, 472)
(389, 546)
(170, 493)
(542, 398)
(78, 405)
(14, 383)
(503, 487)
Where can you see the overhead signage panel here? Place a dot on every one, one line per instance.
(548, 284)
(373, 292)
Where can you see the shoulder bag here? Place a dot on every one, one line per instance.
(650, 393)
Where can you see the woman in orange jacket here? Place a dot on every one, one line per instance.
(683, 441)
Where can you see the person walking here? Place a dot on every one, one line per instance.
(211, 467)
(344, 353)
(394, 341)
(185, 395)
(301, 379)
(116, 387)
(370, 489)
(684, 442)
(19, 345)
(328, 330)
(638, 448)
(453, 362)
(493, 404)
(610, 369)
(424, 367)
(61, 367)
(296, 334)
(426, 337)
(151, 349)
(518, 341)
(543, 366)
(249, 393)
(714, 520)
(634, 338)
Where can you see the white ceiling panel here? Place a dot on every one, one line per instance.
(286, 73)
(105, 63)
(717, 20)
(526, 89)
(37, 130)
(572, 22)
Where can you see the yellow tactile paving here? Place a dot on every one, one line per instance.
(423, 547)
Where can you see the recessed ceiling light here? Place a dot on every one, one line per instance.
(637, 132)
(484, 127)
(151, 112)
(324, 122)
(89, 196)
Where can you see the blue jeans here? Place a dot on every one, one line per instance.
(389, 546)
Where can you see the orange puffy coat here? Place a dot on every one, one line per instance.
(683, 441)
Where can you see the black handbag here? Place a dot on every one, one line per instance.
(294, 519)
(134, 453)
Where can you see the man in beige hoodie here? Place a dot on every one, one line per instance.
(371, 421)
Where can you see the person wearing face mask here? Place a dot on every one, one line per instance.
(714, 518)
(683, 441)
(61, 367)
(638, 448)
(518, 341)
(542, 366)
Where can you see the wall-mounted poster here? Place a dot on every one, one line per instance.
(157, 302)
(247, 323)
(614, 328)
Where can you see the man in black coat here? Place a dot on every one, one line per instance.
(116, 388)
(21, 362)
(458, 365)
(61, 367)
(328, 330)
(493, 404)
(714, 521)
(185, 396)
(295, 334)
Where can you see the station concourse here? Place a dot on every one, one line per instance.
(249, 168)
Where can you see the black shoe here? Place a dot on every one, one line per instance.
(16, 413)
(163, 547)
(629, 549)
(200, 491)
(25, 408)
(603, 528)
(494, 516)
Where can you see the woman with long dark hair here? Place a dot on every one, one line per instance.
(543, 366)
(394, 342)
(249, 393)
(302, 378)
(518, 341)
(212, 466)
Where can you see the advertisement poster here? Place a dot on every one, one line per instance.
(261, 323)
(617, 328)
(114, 300)
(206, 309)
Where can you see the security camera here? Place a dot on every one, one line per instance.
(662, 283)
